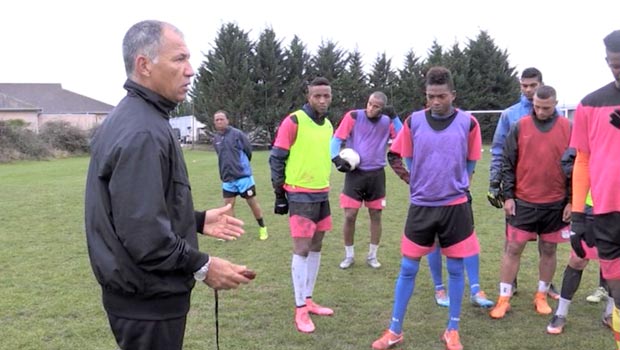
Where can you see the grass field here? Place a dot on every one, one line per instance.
(49, 298)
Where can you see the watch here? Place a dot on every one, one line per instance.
(201, 274)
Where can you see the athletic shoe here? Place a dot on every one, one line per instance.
(541, 305)
(452, 340)
(303, 322)
(606, 320)
(553, 293)
(373, 262)
(480, 299)
(262, 233)
(317, 309)
(556, 325)
(346, 263)
(387, 340)
(501, 308)
(597, 296)
(441, 298)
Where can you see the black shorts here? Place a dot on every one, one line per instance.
(607, 233)
(449, 224)
(364, 185)
(249, 193)
(537, 218)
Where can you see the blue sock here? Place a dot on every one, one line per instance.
(472, 266)
(405, 284)
(434, 265)
(456, 285)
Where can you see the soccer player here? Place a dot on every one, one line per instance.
(596, 138)
(300, 168)
(439, 142)
(535, 192)
(367, 131)
(531, 79)
(234, 154)
(583, 250)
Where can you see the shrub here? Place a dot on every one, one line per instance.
(63, 136)
(17, 142)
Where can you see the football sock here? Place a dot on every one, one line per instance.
(570, 282)
(543, 287)
(456, 284)
(563, 306)
(299, 271)
(405, 284)
(505, 289)
(313, 263)
(434, 264)
(372, 250)
(472, 266)
(349, 251)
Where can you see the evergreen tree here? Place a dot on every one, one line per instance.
(409, 93)
(456, 61)
(296, 76)
(269, 74)
(492, 82)
(354, 85)
(223, 81)
(382, 78)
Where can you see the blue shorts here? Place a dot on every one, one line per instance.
(244, 187)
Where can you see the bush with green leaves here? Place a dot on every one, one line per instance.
(18, 142)
(62, 136)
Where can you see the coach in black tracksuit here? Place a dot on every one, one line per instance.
(140, 221)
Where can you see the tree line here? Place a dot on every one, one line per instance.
(259, 82)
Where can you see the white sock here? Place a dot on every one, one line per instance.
(610, 306)
(505, 289)
(349, 251)
(299, 271)
(563, 306)
(313, 263)
(543, 286)
(372, 250)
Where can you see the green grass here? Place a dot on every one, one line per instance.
(49, 298)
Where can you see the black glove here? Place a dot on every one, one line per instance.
(578, 229)
(469, 198)
(614, 118)
(494, 195)
(341, 164)
(281, 205)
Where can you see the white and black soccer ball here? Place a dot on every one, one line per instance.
(350, 156)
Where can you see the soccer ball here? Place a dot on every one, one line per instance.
(350, 156)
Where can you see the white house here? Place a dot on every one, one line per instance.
(188, 128)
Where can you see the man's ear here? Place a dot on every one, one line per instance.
(143, 66)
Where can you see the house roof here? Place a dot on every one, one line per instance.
(53, 99)
(11, 103)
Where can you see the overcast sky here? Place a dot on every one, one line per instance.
(78, 43)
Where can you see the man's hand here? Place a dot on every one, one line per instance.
(510, 208)
(341, 165)
(223, 274)
(495, 195)
(281, 205)
(578, 229)
(220, 225)
(614, 118)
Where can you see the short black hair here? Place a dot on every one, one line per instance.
(439, 75)
(612, 41)
(320, 81)
(531, 72)
(544, 92)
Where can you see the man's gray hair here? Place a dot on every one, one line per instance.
(143, 38)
